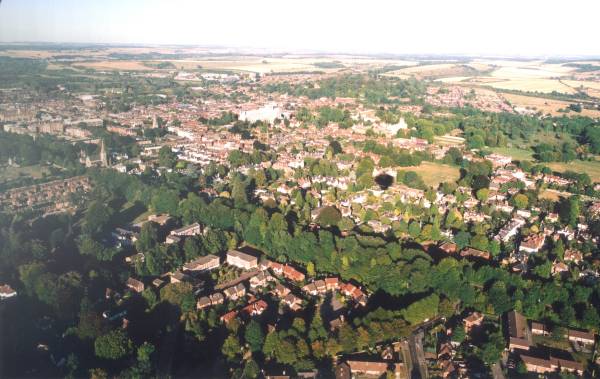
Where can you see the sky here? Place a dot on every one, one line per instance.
(471, 27)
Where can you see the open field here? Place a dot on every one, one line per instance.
(114, 65)
(553, 195)
(533, 85)
(514, 152)
(10, 173)
(435, 173)
(458, 71)
(545, 106)
(449, 140)
(592, 168)
(258, 65)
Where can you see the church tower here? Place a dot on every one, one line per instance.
(103, 155)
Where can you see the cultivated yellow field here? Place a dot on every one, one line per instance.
(546, 106)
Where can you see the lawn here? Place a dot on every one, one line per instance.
(435, 173)
(592, 168)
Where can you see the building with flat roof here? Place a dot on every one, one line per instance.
(242, 260)
(205, 263)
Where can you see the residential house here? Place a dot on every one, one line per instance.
(203, 302)
(311, 289)
(293, 302)
(227, 317)
(359, 368)
(260, 280)
(178, 277)
(573, 255)
(6, 292)
(475, 253)
(292, 274)
(281, 290)
(473, 320)
(533, 243)
(332, 284)
(135, 285)
(542, 365)
(256, 308)
(559, 267)
(448, 247)
(216, 298)
(517, 331)
(235, 292)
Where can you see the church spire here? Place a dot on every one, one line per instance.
(103, 155)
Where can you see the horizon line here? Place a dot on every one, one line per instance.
(280, 50)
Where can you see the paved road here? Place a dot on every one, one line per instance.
(419, 370)
(406, 358)
(497, 371)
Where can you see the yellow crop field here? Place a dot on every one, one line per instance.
(532, 85)
(544, 105)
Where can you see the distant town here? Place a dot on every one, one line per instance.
(296, 217)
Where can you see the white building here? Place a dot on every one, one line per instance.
(267, 113)
(242, 260)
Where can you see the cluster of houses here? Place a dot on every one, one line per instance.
(457, 96)
(541, 359)
(282, 281)
(48, 197)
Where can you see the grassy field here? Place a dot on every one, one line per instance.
(592, 168)
(553, 195)
(435, 173)
(514, 152)
(115, 65)
(10, 173)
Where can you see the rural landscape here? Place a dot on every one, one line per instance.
(181, 210)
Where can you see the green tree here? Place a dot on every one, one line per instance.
(570, 210)
(148, 237)
(166, 157)
(420, 310)
(329, 215)
(179, 294)
(231, 347)
(254, 336)
(521, 201)
(113, 345)
(251, 369)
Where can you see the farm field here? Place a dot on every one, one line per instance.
(592, 168)
(114, 65)
(542, 85)
(546, 106)
(435, 173)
